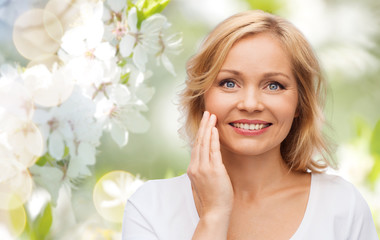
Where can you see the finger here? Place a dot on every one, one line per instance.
(216, 156)
(195, 152)
(206, 141)
(202, 126)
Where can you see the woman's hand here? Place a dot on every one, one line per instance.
(210, 181)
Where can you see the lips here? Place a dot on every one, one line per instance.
(250, 127)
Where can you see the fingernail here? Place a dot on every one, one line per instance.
(205, 113)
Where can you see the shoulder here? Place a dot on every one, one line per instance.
(335, 187)
(339, 196)
(342, 201)
(161, 191)
(161, 186)
(162, 208)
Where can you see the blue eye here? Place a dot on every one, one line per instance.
(230, 84)
(227, 84)
(275, 86)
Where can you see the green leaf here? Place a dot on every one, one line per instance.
(147, 8)
(44, 159)
(43, 222)
(29, 233)
(47, 158)
(124, 78)
(67, 151)
(156, 7)
(141, 4)
(122, 63)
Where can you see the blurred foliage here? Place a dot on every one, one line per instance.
(375, 152)
(271, 6)
(39, 227)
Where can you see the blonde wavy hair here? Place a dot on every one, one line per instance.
(305, 139)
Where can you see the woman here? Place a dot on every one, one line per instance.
(253, 117)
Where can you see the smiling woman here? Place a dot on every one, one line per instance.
(253, 109)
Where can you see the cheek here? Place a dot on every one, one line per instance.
(285, 107)
(214, 103)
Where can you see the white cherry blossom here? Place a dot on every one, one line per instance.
(49, 88)
(60, 110)
(15, 98)
(172, 45)
(142, 41)
(83, 50)
(73, 125)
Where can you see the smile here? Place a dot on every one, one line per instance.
(247, 126)
(250, 127)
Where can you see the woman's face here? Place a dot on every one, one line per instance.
(254, 96)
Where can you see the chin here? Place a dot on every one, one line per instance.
(246, 150)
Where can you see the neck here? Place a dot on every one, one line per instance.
(255, 175)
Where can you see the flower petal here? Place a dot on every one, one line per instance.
(140, 57)
(153, 24)
(167, 64)
(126, 45)
(132, 20)
(120, 94)
(94, 33)
(111, 188)
(56, 145)
(119, 135)
(112, 203)
(86, 152)
(72, 41)
(145, 93)
(105, 51)
(116, 5)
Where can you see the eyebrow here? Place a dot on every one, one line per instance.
(266, 75)
(231, 71)
(271, 74)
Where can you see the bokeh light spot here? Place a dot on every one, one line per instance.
(65, 10)
(27, 143)
(48, 60)
(111, 193)
(36, 33)
(13, 220)
(16, 189)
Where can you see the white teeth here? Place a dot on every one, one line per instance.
(247, 126)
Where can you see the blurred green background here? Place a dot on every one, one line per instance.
(346, 37)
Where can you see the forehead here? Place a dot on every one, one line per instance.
(258, 52)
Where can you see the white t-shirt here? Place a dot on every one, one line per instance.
(165, 210)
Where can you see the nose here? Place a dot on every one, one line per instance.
(250, 101)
